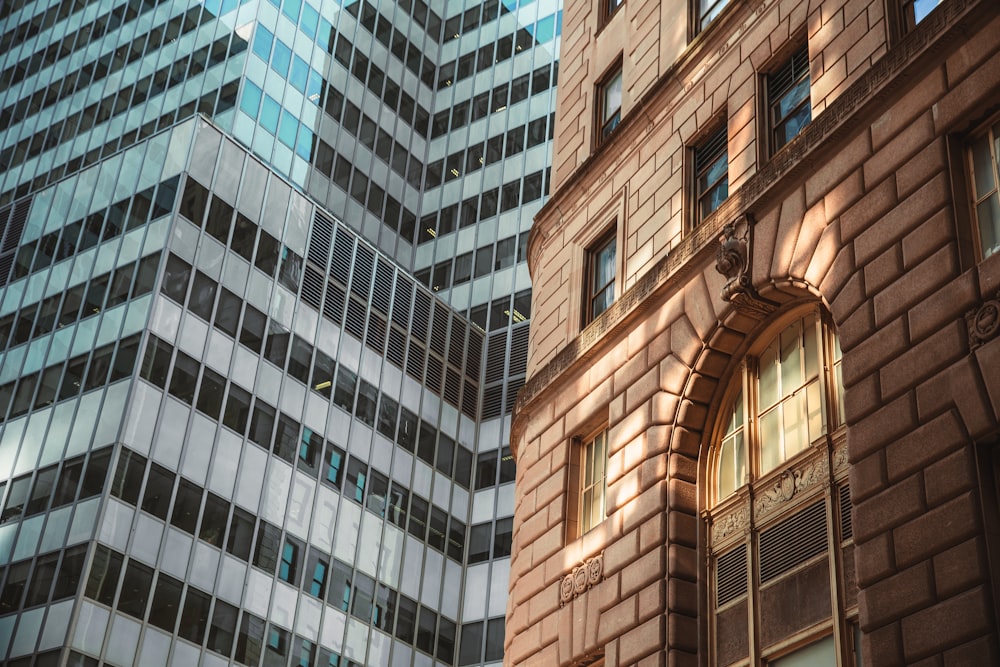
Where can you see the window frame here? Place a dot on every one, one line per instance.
(907, 19)
(606, 10)
(762, 514)
(790, 58)
(717, 150)
(698, 21)
(582, 481)
(606, 126)
(590, 292)
(988, 133)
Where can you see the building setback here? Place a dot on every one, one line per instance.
(263, 316)
(761, 418)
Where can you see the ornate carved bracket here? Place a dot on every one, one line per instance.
(983, 322)
(581, 579)
(733, 260)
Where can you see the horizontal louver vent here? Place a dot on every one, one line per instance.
(470, 400)
(12, 235)
(376, 333)
(846, 518)
(343, 250)
(322, 238)
(496, 349)
(397, 346)
(421, 315)
(361, 278)
(473, 358)
(401, 302)
(415, 361)
(435, 371)
(312, 287)
(792, 542)
(333, 307)
(513, 387)
(519, 351)
(355, 322)
(731, 575)
(456, 346)
(439, 330)
(6, 262)
(452, 386)
(493, 402)
(383, 287)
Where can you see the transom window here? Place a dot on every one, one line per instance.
(985, 165)
(788, 98)
(778, 516)
(786, 400)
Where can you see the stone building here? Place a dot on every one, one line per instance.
(761, 414)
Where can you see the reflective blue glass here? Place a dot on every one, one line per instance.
(251, 99)
(262, 41)
(292, 9)
(300, 74)
(546, 29)
(282, 58)
(325, 33)
(304, 145)
(310, 21)
(269, 114)
(228, 6)
(314, 89)
(286, 132)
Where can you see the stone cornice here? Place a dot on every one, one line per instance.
(870, 93)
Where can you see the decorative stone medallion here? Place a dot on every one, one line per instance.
(581, 579)
(983, 322)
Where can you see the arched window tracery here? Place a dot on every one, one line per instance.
(778, 522)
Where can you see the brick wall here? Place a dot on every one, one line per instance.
(869, 227)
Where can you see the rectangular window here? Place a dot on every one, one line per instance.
(985, 165)
(289, 568)
(600, 271)
(915, 11)
(609, 104)
(708, 10)
(711, 174)
(608, 8)
(593, 466)
(788, 99)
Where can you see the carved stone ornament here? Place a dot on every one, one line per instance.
(790, 483)
(581, 579)
(983, 322)
(733, 522)
(732, 260)
(840, 459)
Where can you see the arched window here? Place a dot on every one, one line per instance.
(781, 575)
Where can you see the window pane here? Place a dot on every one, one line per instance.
(166, 603)
(135, 589)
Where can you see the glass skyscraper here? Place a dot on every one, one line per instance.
(263, 313)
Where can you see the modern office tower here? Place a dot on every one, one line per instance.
(263, 314)
(762, 419)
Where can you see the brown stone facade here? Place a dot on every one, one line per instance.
(865, 217)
